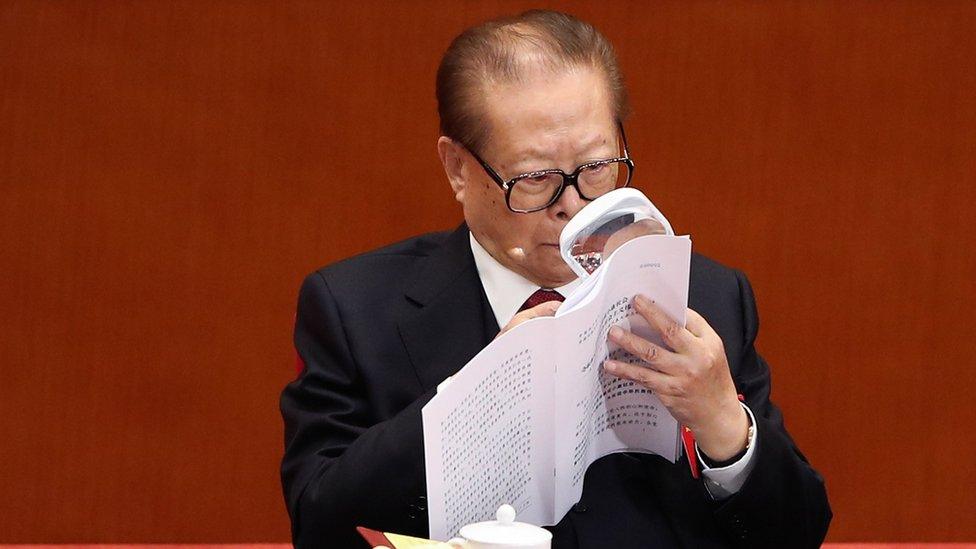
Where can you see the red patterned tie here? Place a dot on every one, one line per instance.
(541, 296)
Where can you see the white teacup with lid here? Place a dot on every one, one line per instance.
(503, 533)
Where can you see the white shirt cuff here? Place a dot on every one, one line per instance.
(722, 482)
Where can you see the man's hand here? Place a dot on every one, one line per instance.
(692, 380)
(543, 309)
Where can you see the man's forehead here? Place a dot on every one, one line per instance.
(566, 110)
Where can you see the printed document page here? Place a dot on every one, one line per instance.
(488, 435)
(610, 414)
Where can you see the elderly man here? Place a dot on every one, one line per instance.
(532, 112)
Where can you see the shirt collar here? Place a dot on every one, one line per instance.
(505, 289)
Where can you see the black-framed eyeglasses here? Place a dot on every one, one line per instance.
(537, 190)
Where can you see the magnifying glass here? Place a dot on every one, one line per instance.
(607, 223)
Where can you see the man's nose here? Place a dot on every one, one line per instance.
(568, 205)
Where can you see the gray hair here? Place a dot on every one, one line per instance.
(498, 51)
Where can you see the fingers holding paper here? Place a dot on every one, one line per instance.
(543, 309)
(690, 374)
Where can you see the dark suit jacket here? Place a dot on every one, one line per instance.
(378, 332)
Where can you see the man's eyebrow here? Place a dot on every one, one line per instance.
(537, 158)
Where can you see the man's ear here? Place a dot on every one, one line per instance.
(453, 161)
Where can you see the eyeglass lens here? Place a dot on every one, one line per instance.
(539, 189)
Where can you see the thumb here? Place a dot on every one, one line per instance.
(543, 309)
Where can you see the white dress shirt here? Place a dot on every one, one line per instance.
(507, 291)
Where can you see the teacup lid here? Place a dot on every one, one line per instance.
(505, 530)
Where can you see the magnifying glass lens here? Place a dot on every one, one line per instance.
(591, 248)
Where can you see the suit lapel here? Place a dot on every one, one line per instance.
(448, 320)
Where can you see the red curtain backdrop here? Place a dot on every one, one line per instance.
(169, 171)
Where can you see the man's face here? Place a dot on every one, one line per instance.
(559, 120)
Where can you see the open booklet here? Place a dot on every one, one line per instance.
(522, 421)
